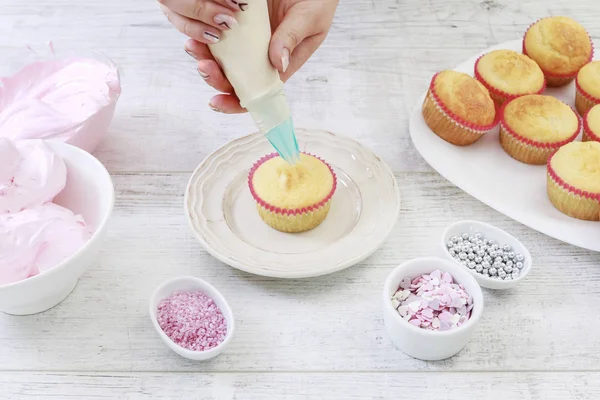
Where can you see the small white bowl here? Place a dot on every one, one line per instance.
(489, 232)
(420, 343)
(89, 192)
(188, 284)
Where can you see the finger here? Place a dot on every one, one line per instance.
(301, 54)
(227, 104)
(295, 27)
(209, 12)
(197, 50)
(194, 29)
(209, 71)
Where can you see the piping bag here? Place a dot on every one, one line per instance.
(243, 55)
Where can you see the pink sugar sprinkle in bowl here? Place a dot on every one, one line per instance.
(181, 289)
(424, 344)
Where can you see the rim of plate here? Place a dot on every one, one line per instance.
(239, 264)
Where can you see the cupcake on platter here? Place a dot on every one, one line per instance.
(533, 127)
(507, 75)
(591, 125)
(458, 108)
(560, 46)
(292, 198)
(587, 94)
(573, 180)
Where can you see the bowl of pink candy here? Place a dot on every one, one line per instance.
(431, 307)
(192, 318)
(55, 203)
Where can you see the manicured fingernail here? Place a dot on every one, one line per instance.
(203, 74)
(212, 107)
(225, 21)
(285, 59)
(242, 5)
(190, 54)
(211, 37)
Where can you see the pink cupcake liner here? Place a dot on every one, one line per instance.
(550, 74)
(481, 129)
(585, 94)
(560, 182)
(500, 93)
(535, 143)
(288, 211)
(595, 136)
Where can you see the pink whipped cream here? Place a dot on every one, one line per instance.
(70, 100)
(35, 234)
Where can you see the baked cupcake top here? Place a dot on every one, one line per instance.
(304, 184)
(560, 45)
(465, 97)
(588, 79)
(541, 118)
(511, 72)
(578, 165)
(592, 119)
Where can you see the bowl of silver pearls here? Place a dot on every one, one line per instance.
(496, 259)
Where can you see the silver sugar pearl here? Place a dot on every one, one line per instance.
(491, 242)
(478, 268)
(494, 247)
(507, 247)
(508, 269)
(498, 260)
(454, 239)
(478, 236)
(487, 258)
(519, 265)
(520, 257)
(493, 271)
(508, 277)
(475, 248)
(465, 236)
(449, 244)
(509, 263)
(511, 254)
(486, 272)
(481, 253)
(505, 258)
(485, 265)
(471, 256)
(471, 265)
(464, 262)
(459, 240)
(478, 260)
(462, 255)
(452, 251)
(480, 242)
(515, 275)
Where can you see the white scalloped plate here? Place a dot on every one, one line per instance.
(223, 215)
(487, 173)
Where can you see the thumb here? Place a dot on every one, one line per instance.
(295, 27)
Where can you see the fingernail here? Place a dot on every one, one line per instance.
(203, 74)
(211, 37)
(285, 59)
(225, 21)
(190, 54)
(212, 107)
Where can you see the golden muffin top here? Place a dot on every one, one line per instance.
(578, 164)
(511, 72)
(541, 118)
(286, 186)
(593, 119)
(465, 97)
(560, 45)
(588, 78)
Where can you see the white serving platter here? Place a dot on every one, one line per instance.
(487, 173)
(223, 215)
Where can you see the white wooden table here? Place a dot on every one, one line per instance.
(313, 339)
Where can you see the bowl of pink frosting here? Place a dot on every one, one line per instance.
(55, 202)
(65, 96)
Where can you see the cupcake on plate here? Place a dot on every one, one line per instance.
(507, 75)
(587, 83)
(458, 108)
(533, 127)
(591, 125)
(574, 180)
(560, 46)
(292, 198)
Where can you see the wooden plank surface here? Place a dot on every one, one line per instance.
(319, 338)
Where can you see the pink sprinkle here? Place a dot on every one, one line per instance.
(192, 320)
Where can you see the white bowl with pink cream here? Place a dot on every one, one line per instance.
(89, 192)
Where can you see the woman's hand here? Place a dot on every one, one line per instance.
(299, 27)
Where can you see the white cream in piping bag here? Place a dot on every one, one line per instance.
(243, 54)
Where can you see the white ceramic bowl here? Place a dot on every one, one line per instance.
(89, 192)
(420, 343)
(188, 284)
(489, 232)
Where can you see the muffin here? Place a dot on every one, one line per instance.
(591, 125)
(458, 108)
(587, 83)
(533, 127)
(560, 46)
(292, 198)
(574, 180)
(507, 75)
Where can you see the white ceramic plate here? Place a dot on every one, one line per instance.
(223, 215)
(490, 175)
